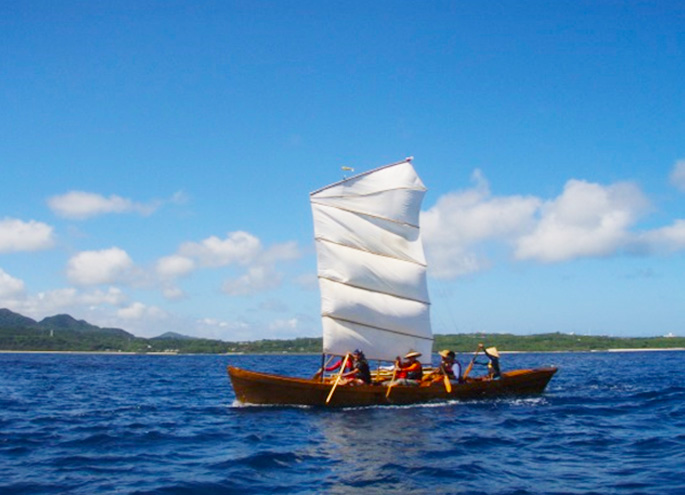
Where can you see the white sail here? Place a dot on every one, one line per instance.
(371, 265)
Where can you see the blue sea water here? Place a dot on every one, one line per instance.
(609, 423)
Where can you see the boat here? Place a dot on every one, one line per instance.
(374, 297)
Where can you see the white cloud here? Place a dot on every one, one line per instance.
(10, 286)
(173, 293)
(235, 330)
(174, 266)
(17, 235)
(668, 239)
(113, 296)
(179, 198)
(237, 247)
(140, 311)
(256, 279)
(586, 220)
(80, 205)
(286, 251)
(678, 175)
(65, 300)
(99, 267)
(289, 324)
(461, 220)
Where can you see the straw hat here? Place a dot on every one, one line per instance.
(447, 353)
(492, 351)
(412, 354)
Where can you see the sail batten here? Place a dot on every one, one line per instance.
(371, 264)
(352, 286)
(357, 212)
(387, 330)
(357, 248)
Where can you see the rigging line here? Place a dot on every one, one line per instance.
(401, 162)
(387, 330)
(323, 239)
(442, 294)
(361, 213)
(449, 307)
(427, 303)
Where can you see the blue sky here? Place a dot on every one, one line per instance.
(157, 157)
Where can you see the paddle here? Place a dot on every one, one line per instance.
(392, 382)
(337, 379)
(468, 368)
(446, 379)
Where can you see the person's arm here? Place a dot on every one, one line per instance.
(335, 365)
(415, 366)
(350, 373)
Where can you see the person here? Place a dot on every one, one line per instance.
(408, 372)
(447, 366)
(360, 373)
(493, 365)
(493, 361)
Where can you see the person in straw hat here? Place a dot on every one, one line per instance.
(493, 364)
(408, 372)
(449, 366)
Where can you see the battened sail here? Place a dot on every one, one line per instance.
(371, 265)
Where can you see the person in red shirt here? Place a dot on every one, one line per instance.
(408, 372)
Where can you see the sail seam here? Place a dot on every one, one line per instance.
(427, 303)
(357, 212)
(387, 330)
(323, 239)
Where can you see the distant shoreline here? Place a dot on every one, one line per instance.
(162, 353)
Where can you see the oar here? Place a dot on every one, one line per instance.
(337, 379)
(446, 381)
(392, 382)
(468, 368)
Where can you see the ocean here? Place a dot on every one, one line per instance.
(609, 423)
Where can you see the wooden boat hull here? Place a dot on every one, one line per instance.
(262, 388)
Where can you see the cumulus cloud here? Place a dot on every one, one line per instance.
(64, 300)
(17, 235)
(256, 279)
(173, 293)
(585, 220)
(80, 205)
(140, 311)
(100, 267)
(238, 247)
(461, 220)
(665, 239)
(174, 266)
(678, 175)
(286, 251)
(289, 324)
(10, 286)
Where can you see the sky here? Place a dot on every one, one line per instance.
(156, 159)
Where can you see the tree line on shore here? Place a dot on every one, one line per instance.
(64, 333)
